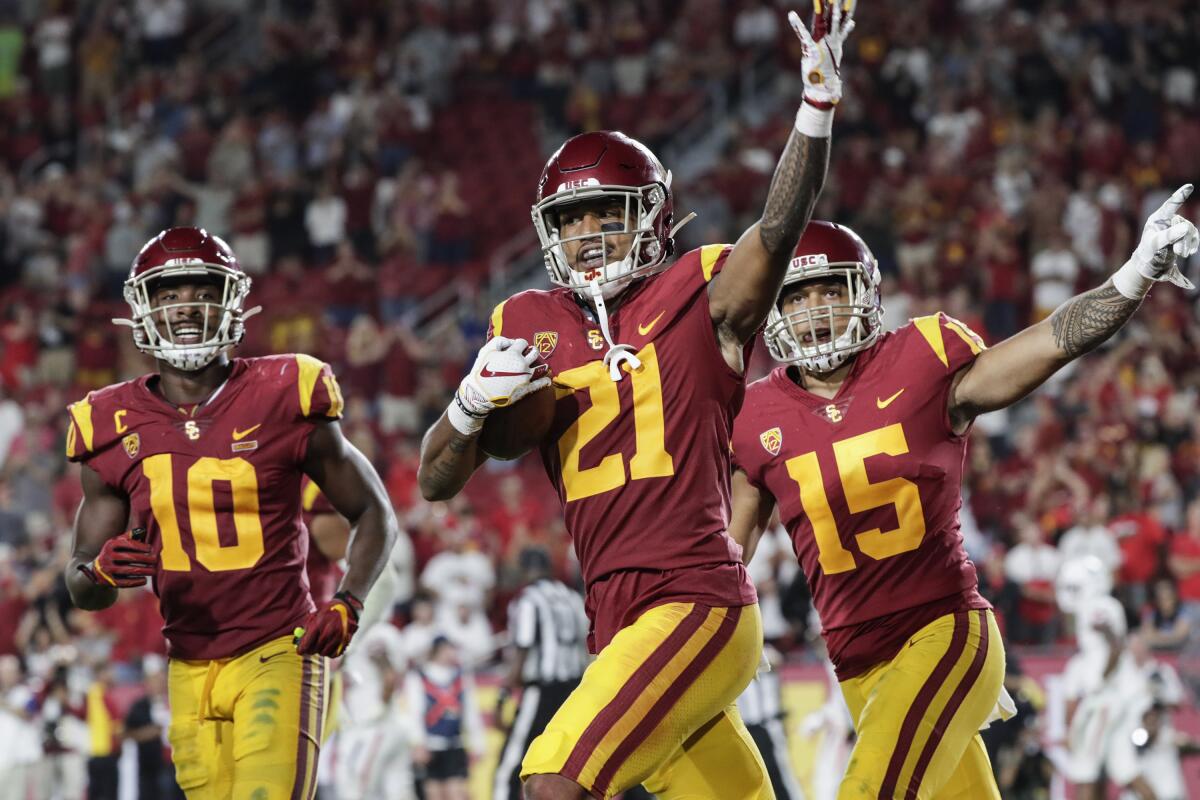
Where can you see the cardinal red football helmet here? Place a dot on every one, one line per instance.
(606, 164)
(828, 251)
(189, 255)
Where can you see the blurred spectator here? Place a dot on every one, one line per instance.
(445, 694)
(146, 724)
(1032, 565)
(105, 731)
(1167, 625)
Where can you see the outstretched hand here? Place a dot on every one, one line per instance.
(822, 59)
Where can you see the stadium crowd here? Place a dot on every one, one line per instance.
(996, 154)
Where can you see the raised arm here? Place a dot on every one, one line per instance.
(1004, 374)
(102, 559)
(750, 515)
(741, 296)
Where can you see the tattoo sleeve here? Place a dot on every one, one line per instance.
(1084, 322)
(794, 189)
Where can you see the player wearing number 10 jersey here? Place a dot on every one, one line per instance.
(207, 456)
(647, 360)
(860, 442)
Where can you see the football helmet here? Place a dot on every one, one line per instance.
(1080, 581)
(606, 164)
(187, 255)
(828, 251)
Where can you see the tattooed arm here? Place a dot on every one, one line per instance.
(448, 460)
(1002, 375)
(1012, 369)
(742, 294)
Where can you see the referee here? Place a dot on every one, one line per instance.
(545, 659)
(761, 707)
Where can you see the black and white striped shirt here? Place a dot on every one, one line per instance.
(548, 621)
(762, 701)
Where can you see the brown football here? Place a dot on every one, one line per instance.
(512, 431)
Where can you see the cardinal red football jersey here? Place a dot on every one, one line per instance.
(323, 573)
(641, 465)
(868, 485)
(218, 491)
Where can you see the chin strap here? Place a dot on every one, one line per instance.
(617, 354)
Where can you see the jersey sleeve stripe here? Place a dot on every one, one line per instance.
(709, 255)
(580, 762)
(81, 415)
(310, 372)
(931, 329)
(311, 493)
(650, 720)
(336, 403)
(953, 704)
(916, 712)
(498, 319)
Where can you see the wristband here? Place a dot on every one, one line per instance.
(465, 422)
(1130, 282)
(814, 121)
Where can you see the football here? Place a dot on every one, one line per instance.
(512, 431)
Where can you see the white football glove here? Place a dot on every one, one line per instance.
(822, 59)
(504, 372)
(1166, 238)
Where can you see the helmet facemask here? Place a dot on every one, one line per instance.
(861, 314)
(233, 287)
(646, 254)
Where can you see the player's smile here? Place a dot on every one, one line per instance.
(600, 226)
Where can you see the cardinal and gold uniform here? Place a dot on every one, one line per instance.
(642, 468)
(217, 488)
(868, 485)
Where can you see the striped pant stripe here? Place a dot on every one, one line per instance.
(638, 683)
(668, 699)
(312, 714)
(952, 706)
(924, 698)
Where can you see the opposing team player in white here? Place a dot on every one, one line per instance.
(380, 736)
(1104, 688)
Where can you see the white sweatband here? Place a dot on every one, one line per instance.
(464, 423)
(1130, 282)
(814, 122)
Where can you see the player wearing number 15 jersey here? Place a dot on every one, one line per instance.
(860, 442)
(206, 456)
(647, 359)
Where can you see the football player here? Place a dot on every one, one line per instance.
(647, 354)
(205, 458)
(860, 439)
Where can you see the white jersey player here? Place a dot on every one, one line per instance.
(1102, 681)
(379, 735)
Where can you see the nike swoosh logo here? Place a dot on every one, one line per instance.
(265, 659)
(644, 329)
(239, 435)
(885, 403)
(487, 373)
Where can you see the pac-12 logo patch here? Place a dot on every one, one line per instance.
(772, 440)
(545, 342)
(132, 443)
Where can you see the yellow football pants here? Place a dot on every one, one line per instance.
(248, 728)
(918, 715)
(658, 706)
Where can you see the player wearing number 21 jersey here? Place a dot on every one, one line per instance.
(646, 355)
(206, 457)
(860, 442)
